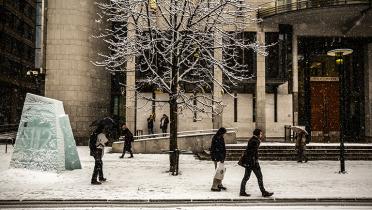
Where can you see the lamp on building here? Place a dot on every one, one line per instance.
(339, 60)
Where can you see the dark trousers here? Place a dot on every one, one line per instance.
(98, 166)
(128, 149)
(301, 156)
(164, 130)
(257, 171)
(151, 130)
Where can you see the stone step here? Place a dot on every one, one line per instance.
(288, 153)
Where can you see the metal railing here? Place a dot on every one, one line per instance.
(180, 133)
(284, 6)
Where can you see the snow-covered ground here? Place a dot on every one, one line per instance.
(145, 177)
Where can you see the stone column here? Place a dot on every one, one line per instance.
(130, 113)
(70, 76)
(260, 85)
(217, 89)
(368, 91)
(295, 79)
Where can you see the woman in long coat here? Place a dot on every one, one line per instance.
(218, 154)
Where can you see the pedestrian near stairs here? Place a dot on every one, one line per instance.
(128, 139)
(251, 164)
(218, 155)
(301, 147)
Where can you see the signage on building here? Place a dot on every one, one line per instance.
(324, 79)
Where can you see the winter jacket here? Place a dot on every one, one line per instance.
(164, 122)
(300, 142)
(128, 138)
(101, 141)
(218, 149)
(150, 122)
(252, 152)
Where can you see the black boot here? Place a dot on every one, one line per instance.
(95, 182)
(244, 194)
(222, 187)
(267, 194)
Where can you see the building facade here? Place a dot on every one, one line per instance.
(17, 57)
(297, 83)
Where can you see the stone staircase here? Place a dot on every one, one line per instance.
(286, 151)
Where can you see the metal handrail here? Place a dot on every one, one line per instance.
(281, 6)
(180, 133)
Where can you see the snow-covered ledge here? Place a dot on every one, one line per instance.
(190, 142)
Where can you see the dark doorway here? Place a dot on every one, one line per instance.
(319, 94)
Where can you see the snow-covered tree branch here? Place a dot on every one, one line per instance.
(174, 43)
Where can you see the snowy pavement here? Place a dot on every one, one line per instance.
(145, 177)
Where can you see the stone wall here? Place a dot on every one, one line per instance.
(70, 76)
(195, 143)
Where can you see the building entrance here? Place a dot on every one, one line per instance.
(319, 89)
(325, 109)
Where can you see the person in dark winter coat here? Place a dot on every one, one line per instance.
(252, 164)
(218, 154)
(150, 124)
(128, 139)
(98, 164)
(164, 121)
(301, 147)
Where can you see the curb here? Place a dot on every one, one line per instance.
(33, 203)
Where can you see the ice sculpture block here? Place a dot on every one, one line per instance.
(72, 160)
(41, 137)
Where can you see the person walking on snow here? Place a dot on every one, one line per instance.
(218, 154)
(252, 164)
(128, 139)
(301, 147)
(98, 154)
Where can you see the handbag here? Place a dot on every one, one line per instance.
(220, 171)
(242, 160)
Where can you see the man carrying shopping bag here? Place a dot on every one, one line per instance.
(218, 155)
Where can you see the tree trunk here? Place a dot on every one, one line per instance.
(173, 148)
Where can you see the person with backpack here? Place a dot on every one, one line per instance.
(128, 139)
(97, 143)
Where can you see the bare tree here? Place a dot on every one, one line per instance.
(178, 46)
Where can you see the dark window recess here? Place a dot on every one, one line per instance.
(278, 63)
(240, 59)
(235, 107)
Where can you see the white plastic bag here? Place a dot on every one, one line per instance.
(220, 171)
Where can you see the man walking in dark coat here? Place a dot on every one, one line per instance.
(252, 164)
(128, 139)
